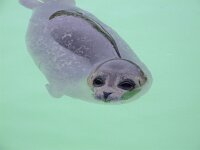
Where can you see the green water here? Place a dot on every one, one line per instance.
(164, 34)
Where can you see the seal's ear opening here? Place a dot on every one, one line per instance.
(143, 81)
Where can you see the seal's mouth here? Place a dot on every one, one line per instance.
(107, 99)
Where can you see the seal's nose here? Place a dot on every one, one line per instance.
(106, 94)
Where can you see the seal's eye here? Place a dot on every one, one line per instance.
(127, 85)
(98, 82)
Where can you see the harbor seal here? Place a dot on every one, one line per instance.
(80, 56)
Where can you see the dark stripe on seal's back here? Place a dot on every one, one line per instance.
(96, 25)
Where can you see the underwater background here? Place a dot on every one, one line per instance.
(166, 37)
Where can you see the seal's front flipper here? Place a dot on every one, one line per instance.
(53, 91)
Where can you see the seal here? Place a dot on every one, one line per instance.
(82, 57)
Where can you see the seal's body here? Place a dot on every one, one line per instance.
(72, 47)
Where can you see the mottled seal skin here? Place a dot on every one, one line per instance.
(80, 56)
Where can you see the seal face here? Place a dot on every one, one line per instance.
(74, 49)
(116, 79)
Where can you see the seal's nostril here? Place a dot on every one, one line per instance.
(106, 94)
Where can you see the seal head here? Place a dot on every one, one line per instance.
(116, 79)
